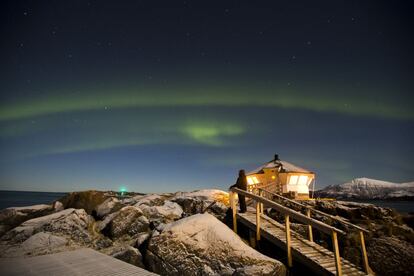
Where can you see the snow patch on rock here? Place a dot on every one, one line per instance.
(202, 245)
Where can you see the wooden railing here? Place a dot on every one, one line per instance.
(289, 213)
(309, 210)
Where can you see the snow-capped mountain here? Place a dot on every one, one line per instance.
(366, 188)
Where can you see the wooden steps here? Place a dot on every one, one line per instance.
(311, 254)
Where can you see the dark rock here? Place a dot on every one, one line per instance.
(128, 254)
(127, 221)
(87, 200)
(391, 256)
(110, 205)
(167, 212)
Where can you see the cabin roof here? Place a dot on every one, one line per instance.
(285, 167)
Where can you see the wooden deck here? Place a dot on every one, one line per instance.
(312, 255)
(77, 262)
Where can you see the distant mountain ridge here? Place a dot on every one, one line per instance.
(366, 188)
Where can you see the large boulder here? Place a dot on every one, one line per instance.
(128, 254)
(150, 200)
(109, 206)
(130, 220)
(38, 244)
(202, 245)
(214, 201)
(167, 212)
(43, 240)
(74, 223)
(14, 216)
(87, 200)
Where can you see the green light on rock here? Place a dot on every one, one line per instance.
(122, 190)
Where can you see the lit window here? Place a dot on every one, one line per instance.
(250, 181)
(255, 180)
(303, 180)
(273, 177)
(293, 180)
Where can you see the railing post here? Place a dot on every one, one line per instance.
(364, 252)
(258, 221)
(336, 253)
(308, 213)
(233, 210)
(288, 247)
(261, 204)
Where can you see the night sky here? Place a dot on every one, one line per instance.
(179, 95)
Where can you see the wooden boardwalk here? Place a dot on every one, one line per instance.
(77, 262)
(303, 250)
(311, 254)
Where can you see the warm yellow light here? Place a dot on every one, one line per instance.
(303, 180)
(293, 180)
(252, 180)
(273, 177)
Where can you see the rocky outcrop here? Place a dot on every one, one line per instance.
(202, 245)
(14, 216)
(213, 201)
(128, 254)
(87, 200)
(74, 223)
(391, 256)
(150, 200)
(130, 220)
(110, 205)
(38, 244)
(43, 240)
(167, 212)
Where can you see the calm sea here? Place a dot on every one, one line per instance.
(17, 198)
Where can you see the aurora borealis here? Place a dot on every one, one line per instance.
(165, 95)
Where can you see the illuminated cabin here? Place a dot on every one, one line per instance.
(282, 177)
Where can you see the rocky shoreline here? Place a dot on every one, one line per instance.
(184, 233)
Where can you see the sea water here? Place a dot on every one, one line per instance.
(19, 198)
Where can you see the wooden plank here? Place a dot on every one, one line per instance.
(78, 262)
